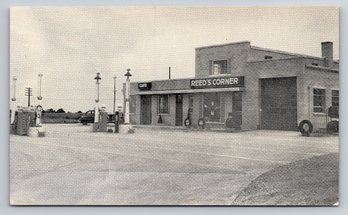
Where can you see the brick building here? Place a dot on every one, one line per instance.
(258, 88)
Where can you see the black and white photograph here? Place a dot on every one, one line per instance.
(174, 106)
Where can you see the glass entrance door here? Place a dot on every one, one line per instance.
(211, 106)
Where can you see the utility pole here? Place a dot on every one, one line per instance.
(114, 94)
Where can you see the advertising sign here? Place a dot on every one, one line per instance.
(217, 82)
(145, 86)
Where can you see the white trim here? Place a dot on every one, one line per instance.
(221, 75)
(316, 87)
(210, 90)
(319, 114)
(330, 69)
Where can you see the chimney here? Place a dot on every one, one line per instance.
(327, 53)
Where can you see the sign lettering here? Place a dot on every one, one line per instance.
(145, 86)
(218, 82)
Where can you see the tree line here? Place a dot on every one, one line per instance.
(60, 110)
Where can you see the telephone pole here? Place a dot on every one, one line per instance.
(114, 94)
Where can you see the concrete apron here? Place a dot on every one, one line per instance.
(36, 132)
(183, 128)
(126, 129)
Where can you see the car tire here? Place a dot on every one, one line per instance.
(201, 123)
(305, 127)
(229, 122)
(332, 127)
(187, 122)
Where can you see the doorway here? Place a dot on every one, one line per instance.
(145, 110)
(178, 110)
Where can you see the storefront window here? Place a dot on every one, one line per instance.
(335, 98)
(211, 107)
(318, 100)
(163, 104)
(219, 67)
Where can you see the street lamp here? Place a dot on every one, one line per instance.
(114, 93)
(96, 110)
(40, 80)
(97, 83)
(126, 117)
(14, 80)
(13, 99)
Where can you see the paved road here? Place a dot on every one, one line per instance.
(72, 165)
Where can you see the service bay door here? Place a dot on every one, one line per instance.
(279, 104)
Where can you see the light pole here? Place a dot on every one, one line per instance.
(29, 93)
(39, 97)
(97, 83)
(13, 99)
(96, 111)
(126, 117)
(114, 94)
(14, 80)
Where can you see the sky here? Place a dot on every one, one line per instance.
(69, 45)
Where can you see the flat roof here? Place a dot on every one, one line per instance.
(264, 49)
(224, 44)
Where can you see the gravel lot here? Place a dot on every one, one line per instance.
(312, 181)
(73, 166)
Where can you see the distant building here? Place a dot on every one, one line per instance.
(259, 88)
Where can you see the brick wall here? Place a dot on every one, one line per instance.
(317, 78)
(236, 54)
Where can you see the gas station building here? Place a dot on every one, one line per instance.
(259, 88)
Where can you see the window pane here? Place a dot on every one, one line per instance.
(335, 98)
(318, 109)
(163, 104)
(318, 100)
(318, 91)
(219, 67)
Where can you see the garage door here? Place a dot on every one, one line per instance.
(279, 103)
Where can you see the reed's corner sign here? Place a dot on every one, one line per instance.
(217, 82)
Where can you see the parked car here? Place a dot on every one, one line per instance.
(88, 117)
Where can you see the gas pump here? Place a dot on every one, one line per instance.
(38, 114)
(23, 120)
(100, 120)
